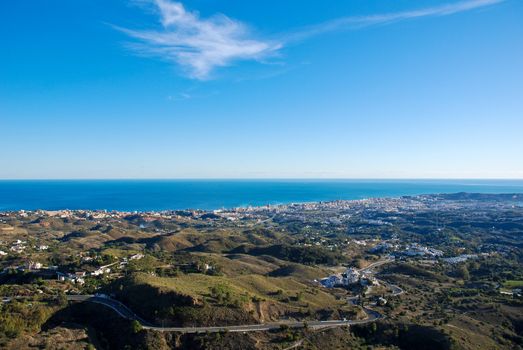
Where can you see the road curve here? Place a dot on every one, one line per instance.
(396, 290)
(125, 312)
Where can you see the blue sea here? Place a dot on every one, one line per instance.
(149, 195)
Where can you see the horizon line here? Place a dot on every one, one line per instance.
(268, 179)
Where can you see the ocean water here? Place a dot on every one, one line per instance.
(148, 195)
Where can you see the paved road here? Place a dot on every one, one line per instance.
(376, 264)
(396, 290)
(126, 313)
(115, 305)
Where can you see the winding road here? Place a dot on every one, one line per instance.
(127, 313)
(395, 289)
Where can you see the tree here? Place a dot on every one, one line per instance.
(463, 272)
(61, 299)
(136, 326)
(373, 327)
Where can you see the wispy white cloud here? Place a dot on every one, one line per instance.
(352, 22)
(200, 45)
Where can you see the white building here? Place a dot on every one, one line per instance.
(74, 278)
(101, 271)
(418, 250)
(31, 265)
(332, 281)
(351, 276)
(460, 258)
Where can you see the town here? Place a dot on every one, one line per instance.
(384, 261)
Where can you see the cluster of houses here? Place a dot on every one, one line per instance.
(460, 258)
(29, 265)
(415, 249)
(20, 246)
(79, 277)
(351, 276)
(411, 250)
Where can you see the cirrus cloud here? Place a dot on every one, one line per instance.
(355, 22)
(200, 45)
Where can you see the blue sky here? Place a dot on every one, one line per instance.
(261, 89)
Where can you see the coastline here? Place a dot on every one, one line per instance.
(516, 197)
(160, 195)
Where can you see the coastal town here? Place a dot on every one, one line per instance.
(358, 261)
(355, 217)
